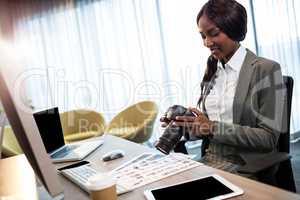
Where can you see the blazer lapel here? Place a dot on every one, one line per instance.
(242, 87)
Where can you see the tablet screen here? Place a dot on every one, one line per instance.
(204, 188)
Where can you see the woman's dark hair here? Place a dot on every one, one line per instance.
(231, 18)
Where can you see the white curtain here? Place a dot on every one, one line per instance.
(278, 38)
(108, 54)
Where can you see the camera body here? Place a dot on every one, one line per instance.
(172, 134)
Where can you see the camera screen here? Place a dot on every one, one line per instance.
(205, 188)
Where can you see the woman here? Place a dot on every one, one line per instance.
(240, 107)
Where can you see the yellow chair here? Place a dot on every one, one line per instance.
(81, 124)
(135, 123)
(10, 145)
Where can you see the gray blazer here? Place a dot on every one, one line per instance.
(257, 112)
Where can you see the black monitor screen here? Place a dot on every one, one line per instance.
(204, 188)
(48, 123)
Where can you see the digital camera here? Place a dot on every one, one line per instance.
(172, 134)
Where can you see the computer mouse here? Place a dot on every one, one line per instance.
(112, 155)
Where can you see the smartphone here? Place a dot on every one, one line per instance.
(84, 162)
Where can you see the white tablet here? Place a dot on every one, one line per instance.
(208, 187)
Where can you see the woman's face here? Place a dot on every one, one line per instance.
(220, 45)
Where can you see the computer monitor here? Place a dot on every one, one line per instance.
(21, 120)
(2, 123)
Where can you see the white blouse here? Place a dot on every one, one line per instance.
(219, 102)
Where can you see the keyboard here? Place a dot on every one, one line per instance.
(75, 152)
(64, 151)
(80, 175)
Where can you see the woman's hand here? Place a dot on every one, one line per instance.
(198, 126)
(164, 121)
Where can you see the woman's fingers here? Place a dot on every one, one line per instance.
(195, 111)
(184, 123)
(163, 119)
(164, 124)
(191, 122)
(185, 118)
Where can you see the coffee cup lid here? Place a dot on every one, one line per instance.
(100, 181)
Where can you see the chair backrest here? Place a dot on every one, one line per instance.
(135, 123)
(135, 114)
(79, 120)
(284, 138)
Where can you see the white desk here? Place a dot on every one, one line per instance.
(17, 179)
(253, 189)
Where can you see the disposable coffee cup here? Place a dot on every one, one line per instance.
(102, 187)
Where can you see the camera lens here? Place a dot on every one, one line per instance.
(169, 139)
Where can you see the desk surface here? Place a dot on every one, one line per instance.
(252, 189)
(17, 180)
